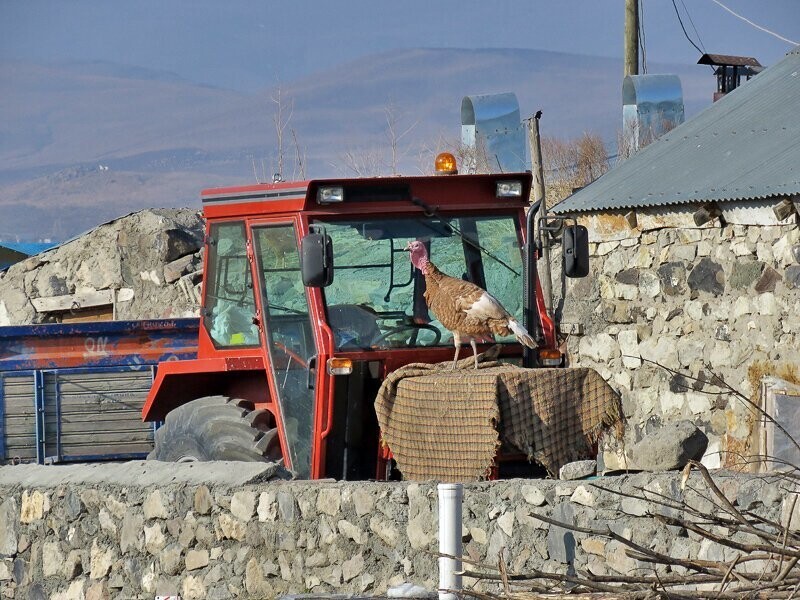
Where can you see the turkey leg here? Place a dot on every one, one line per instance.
(457, 342)
(474, 350)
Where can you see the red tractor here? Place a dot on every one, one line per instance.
(310, 300)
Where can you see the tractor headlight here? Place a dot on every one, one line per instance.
(509, 189)
(329, 195)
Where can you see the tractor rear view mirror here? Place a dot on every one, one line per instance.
(575, 244)
(316, 258)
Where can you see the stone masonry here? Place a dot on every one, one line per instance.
(95, 541)
(700, 301)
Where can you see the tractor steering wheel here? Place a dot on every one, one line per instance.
(415, 327)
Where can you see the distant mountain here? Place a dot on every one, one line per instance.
(85, 142)
(56, 116)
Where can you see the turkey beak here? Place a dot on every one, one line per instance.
(408, 247)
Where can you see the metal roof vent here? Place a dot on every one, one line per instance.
(730, 70)
(651, 106)
(493, 134)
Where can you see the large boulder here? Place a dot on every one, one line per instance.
(669, 448)
(124, 259)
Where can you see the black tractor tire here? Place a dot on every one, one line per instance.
(217, 428)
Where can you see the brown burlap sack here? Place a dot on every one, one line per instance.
(447, 425)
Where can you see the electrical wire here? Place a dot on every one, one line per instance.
(675, 6)
(696, 33)
(642, 42)
(749, 22)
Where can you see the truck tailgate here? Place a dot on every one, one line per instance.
(75, 392)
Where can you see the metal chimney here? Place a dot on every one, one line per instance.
(730, 70)
(651, 106)
(493, 132)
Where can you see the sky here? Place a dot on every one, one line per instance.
(248, 45)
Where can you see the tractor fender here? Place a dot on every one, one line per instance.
(181, 381)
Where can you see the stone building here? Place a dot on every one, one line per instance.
(696, 268)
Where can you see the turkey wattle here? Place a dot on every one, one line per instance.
(466, 310)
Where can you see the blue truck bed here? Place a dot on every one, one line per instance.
(74, 392)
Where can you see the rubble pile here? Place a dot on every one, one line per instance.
(145, 265)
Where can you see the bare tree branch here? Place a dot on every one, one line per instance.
(281, 121)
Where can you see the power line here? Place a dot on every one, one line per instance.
(749, 22)
(675, 6)
(642, 43)
(697, 33)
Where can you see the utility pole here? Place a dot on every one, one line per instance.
(631, 37)
(536, 160)
(535, 143)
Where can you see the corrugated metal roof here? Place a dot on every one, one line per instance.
(744, 146)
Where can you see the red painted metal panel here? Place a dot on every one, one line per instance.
(177, 382)
(456, 192)
(101, 344)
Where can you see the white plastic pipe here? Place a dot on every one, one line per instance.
(450, 497)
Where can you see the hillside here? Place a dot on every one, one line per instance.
(80, 143)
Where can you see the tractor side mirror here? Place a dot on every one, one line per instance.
(316, 258)
(575, 244)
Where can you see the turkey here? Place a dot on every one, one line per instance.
(465, 309)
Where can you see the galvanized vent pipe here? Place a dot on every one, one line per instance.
(450, 497)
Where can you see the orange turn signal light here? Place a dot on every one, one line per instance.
(446, 164)
(339, 366)
(550, 358)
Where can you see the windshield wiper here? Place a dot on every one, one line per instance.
(286, 309)
(432, 212)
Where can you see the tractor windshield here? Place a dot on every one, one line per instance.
(375, 300)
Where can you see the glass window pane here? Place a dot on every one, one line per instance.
(230, 302)
(289, 335)
(372, 302)
(502, 263)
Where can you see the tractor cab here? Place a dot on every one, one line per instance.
(310, 300)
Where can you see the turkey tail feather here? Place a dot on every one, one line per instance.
(521, 334)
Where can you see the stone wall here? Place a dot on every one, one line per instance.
(700, 301)
(98, 540)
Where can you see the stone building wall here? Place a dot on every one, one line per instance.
(699, 301)
(88, 541)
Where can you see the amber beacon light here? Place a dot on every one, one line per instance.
(550, 357)
(339, 366)
(446, 164)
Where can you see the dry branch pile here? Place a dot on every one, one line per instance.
(759, 556)
(749, 555)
